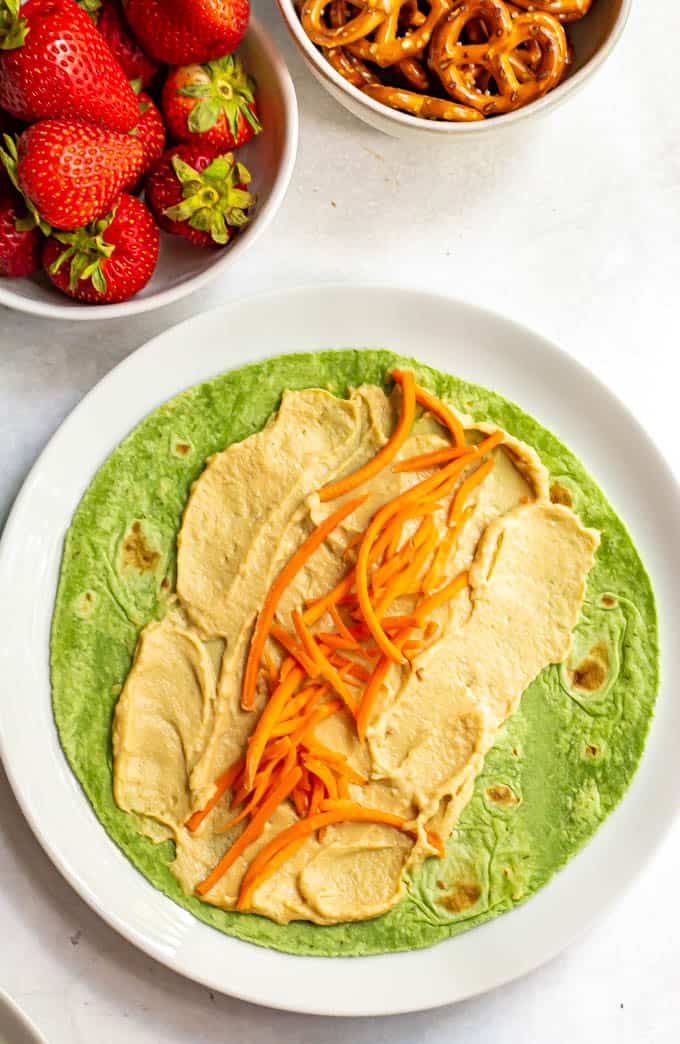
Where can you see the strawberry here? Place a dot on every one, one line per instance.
(71, 173)
(196, 192)
(212, 103)
(110, 260)
(109, 18)
(19, 245)
(150, 133)
(54, 64)
(183, 31)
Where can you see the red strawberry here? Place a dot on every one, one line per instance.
(150, 133)
(54, 63)
(110, 20)
(109, 260)
(183, 31)
(71, 173)
(196, 192)
(19, 247)
(212, 103)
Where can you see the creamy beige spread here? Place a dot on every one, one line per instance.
(179, 724)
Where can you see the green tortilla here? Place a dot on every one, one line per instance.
(559, 766)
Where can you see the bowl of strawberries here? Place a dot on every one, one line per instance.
(143, 145)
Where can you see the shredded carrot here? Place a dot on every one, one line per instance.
(444, 594)
(343, 630)
(324, 773)
(326, 669)
(326, 710)
(429, 460)
(436, 571)
(305, 698)
(252, 831)
(286, 576)
(296, 651)
(281, 857)
(269, 664)
(466, 487)
(389, 451)
(443, 414)
(223, 783)
(268, 719)
(372, 689)
(348, 812)
(301, 801)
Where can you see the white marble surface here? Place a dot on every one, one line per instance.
(573, 229)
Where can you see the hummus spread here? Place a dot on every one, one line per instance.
(179, 724)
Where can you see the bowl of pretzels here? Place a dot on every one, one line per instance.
(453, 68)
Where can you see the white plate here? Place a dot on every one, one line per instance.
(479, 346)
(15, 1025)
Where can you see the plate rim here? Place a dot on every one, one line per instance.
(477, 313)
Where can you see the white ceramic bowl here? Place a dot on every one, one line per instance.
(182, 268)
(593, 38)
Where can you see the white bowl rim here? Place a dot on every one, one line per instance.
(265, 214)
(441, 127)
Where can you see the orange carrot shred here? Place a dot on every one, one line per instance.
(326, 669)
(293, 649)
(443, 413)
(222, 784)
(252, 831)
(286, 576)
(466, 487)
(338, 812)
(389, 451)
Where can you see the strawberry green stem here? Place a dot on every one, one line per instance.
(213, 201)
(226, 89)
(13, 28)
(86, 249)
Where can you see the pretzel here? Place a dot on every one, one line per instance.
(371, 14)
(355, 69)
(388, 47)
(452, 60)
(423, 105)
(562, 10)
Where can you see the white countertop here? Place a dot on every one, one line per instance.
(574, 229)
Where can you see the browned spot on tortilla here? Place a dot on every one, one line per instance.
(502, 794)
(559, 494)
(592, 750)
(116, 689)
(608, 601)
(182, 448)
(165, 583)
(441, 884)
(420, 674)
(591, 673)
(136, 552)
(514, 752)
(464, 895)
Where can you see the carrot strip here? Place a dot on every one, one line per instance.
(429, 460)
(466, 487)
(222, 784)
(444, 594)
(340, 624)
(324, 773)
(269, 664)
(337, 641)
(436, 571)
(291, 646)
(389, 451)
(326, 710)
(268, 719)
(443, 413)
(338, 812)
(301, 802)
(317, 794)
(252, 831)
(284, 579)
(326, 669)
(305, 698)
(247, 891)
(377, 678)
(284, 728)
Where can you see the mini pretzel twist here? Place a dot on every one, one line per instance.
(371, 14)
(347, 62)
(422, 105)
(562, 10)
(389, 46)
(458, 64)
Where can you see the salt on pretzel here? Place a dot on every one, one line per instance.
(389, 45)
(347, 62)
(452, 59)
(562, 10)
(423, 105)
(371, 13)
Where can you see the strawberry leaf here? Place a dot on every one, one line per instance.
(204, 116)
(13, 28)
